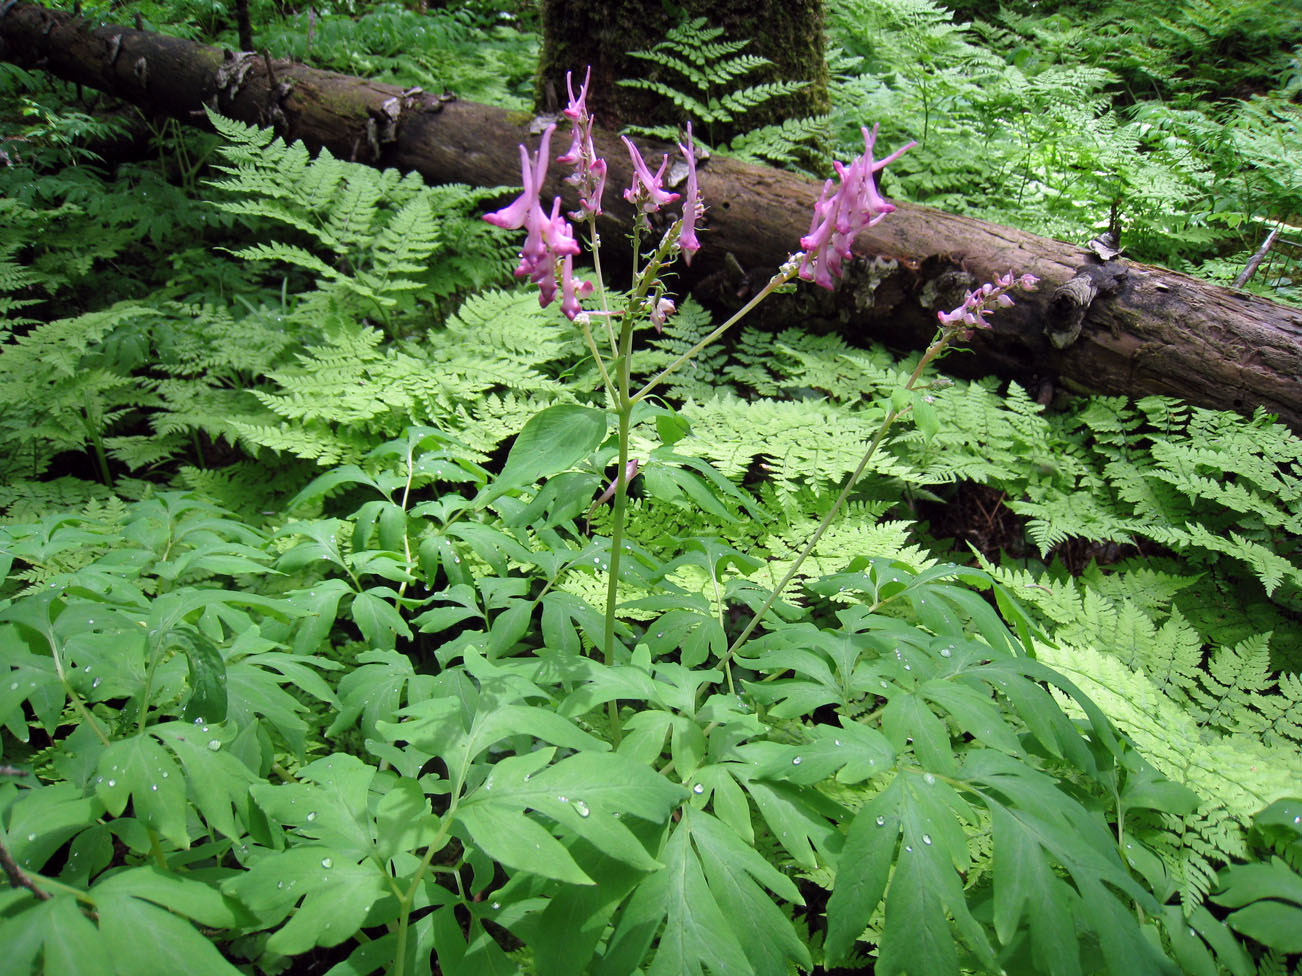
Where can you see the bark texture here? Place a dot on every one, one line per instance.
(790, 33)
(1144, 330)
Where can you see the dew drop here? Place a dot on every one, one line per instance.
(95, 684)
(214, 744)
(164, 774)
(796, 761)
(327, 863)
(311, 816)
(908, 848)
(280, 884)
(836, 742)
(926, 839)
(881, 821)
(698, 789)
(31, 837)
(496, 905)
(929, 779)
(945, 652)
(112, 782)
(581, 808)
(13, 686)
(153, 788)
(563, 799)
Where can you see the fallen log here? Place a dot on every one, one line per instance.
(1116, 327)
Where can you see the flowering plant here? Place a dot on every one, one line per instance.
(846, 206)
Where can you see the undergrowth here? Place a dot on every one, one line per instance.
(302, 620)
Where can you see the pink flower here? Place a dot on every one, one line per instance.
(532, 176)
(647, 192)
(692, 207)
(978, 304)
(589, 169)
(841, 213)
(549, 239)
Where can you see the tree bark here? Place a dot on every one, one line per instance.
(1144, 331)
(790, 33)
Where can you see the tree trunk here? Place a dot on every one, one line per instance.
(578, 33)
(1143, 330)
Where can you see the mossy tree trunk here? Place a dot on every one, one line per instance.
(578, 33)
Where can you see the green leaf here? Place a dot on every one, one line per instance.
(565, 934)
(403, 819)
(143, 938)
(378, 620)
(863, 868)
(328, 805)
(207, 700)
(337, 893)
(142, 770)
(1271, 900)
(735, 871)
(551, 441)
(73, 946)
(518, 842)
(176, 892)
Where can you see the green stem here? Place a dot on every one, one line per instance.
(404, 906)
(623, 365)
(892, 414)
(97, 443)
(601, 363)
(778, 280)
(77, 703)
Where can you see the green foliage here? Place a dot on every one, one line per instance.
(1181, 116)
(313, 669)
(699, 74)
(379, 231)
(439, 49)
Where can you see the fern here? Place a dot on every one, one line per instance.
(705, 89)
(383, 235)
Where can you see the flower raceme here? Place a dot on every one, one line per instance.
(549, 239)
(977, 306)
(841, 213)
(549, 242)
(589, 169)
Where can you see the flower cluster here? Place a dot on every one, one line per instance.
(589, 169)
(843, 212)
(549, 239)
(549, 244)
(972, 314)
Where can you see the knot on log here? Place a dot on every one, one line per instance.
(1071, 301)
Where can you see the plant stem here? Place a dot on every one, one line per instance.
(778, 280)
(623, 367)
(892, 414)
